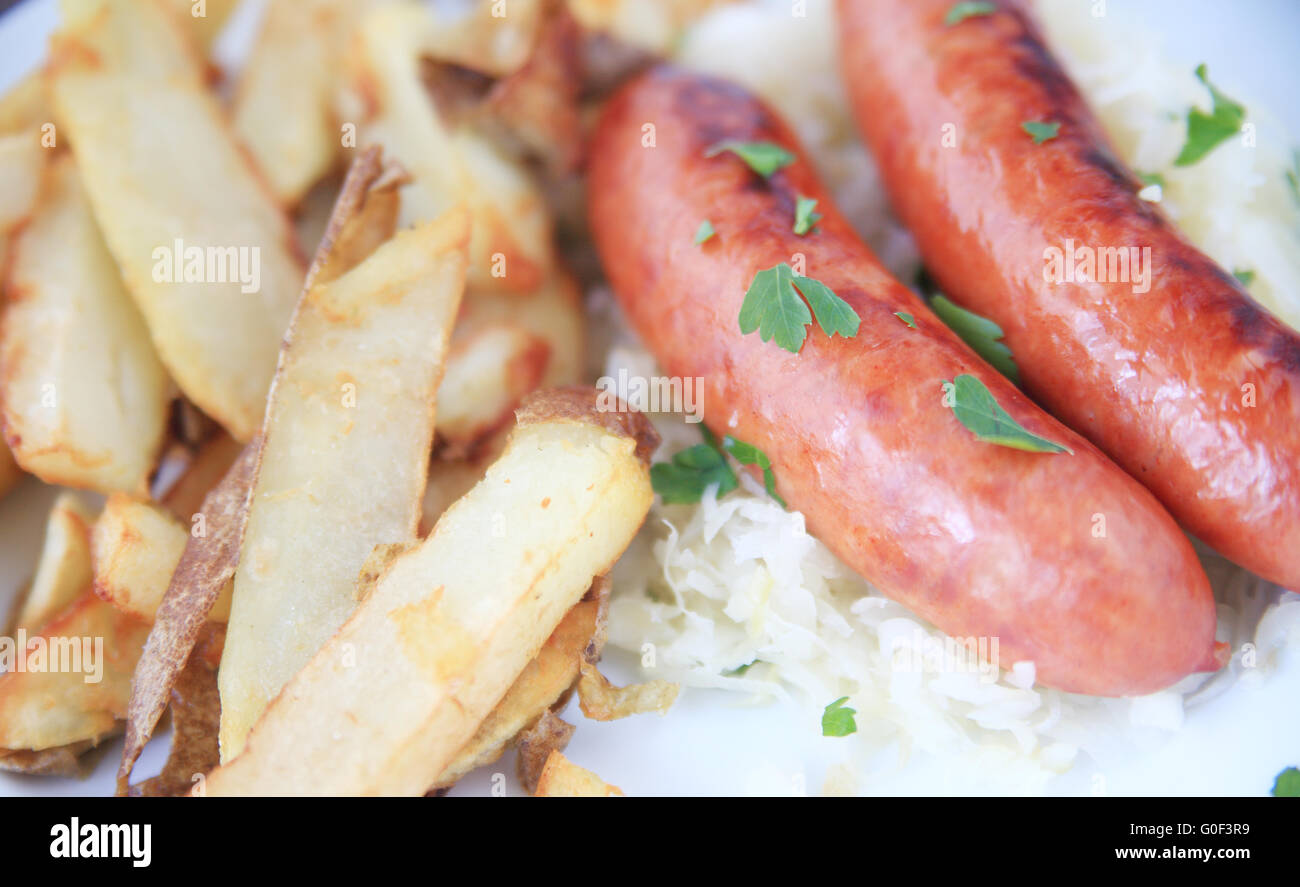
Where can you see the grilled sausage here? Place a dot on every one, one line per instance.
(983, 540)
(1190, 386)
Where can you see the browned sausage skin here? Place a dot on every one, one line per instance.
(1191, 386)
(982, 540)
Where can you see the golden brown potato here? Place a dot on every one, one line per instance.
(84, 395)
(561, 778)
(384, 706)
(96, 648)
(136, 547)
(204, 251)
(63, 570)
(344, 456)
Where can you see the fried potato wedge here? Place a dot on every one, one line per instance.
(21, 161)
(653, 25)
(10, 473)
(206, 27)
(204, 251)
(85, 397)
(346, 445)
(543, 681)
(550, 733)
(284, 105)
(25, 107)
(76, 678)
(68, 761)
(196, 717)
(63, 570)
(384, 706)
(184, 498)
(510, 249)
(561, 778)
(489, 370)
(136, 547)
(496, 39)
(539, 101)
(552, 312)
(451, 478)
(205, 568)
(602, 701)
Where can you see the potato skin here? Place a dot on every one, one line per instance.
(1158, 380)
(982, 540)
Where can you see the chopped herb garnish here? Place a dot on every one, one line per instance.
(1244, 276)
(740, 670)
(684, 480)
(804, 217)
(748, 454)
(1041, 131)
(1287, 784)
(976, 408)
(980, 333)
(763, 158)
(773, 307)
(1152, 178)
(906, 318)
(968, 9)
(837, 720)
(1205, 132)
(704, 232)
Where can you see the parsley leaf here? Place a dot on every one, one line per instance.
(748, 454)
(966, 9)
(837, 720)
(773, 307)
(906, 318)
(980, 333)
(1042, 131)
(684, 480)
(1244, 277)
(740, 670)
(704, 232)
(804, 217)
(1287, 784)
(975, 407)
(1205, 132)
(1152, 178)
(763, 158)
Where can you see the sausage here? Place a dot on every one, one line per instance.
(982, 540)
(1191, 386)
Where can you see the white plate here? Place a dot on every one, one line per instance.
(711, 743)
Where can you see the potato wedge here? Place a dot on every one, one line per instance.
(602, 701)
(63, 570)
(384, 706)
(653, 25)
(184, 498)
(492, 38)
(22, 160)
(136, 547)
(549, 734)
(542, 682)
(510, 249)
(284, 105)
(488, 373)
(206, 566)
(10, 473)
(25, 107)
(345, 452)
(203, 249)
(68, 761)
(205, 27)
(85, 397)
(94, 648)
(561, 778)
(552, 312)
